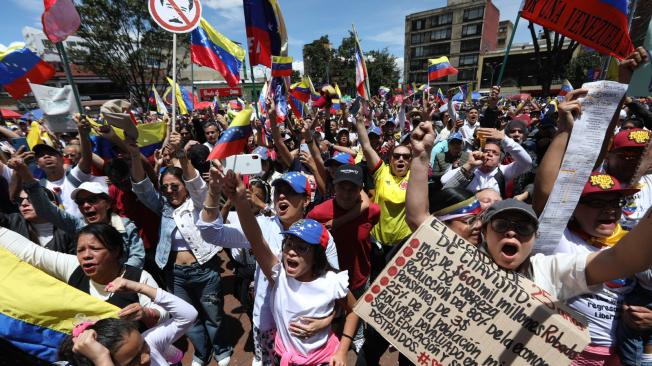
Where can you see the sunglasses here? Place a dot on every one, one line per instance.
(19, 200)
(298, 247)
(91, 200)
(172, 187)
(522, 228)
(594, 203)
(398, 156)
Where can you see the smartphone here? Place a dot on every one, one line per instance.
(246, 164)
(304, 148)
(355, 106)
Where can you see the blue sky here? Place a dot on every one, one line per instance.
(380, 23)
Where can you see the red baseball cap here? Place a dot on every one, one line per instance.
(636, 137)
(604, 183)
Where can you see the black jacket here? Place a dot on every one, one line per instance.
(61, 241)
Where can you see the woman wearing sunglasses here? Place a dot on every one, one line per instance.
(509, 231)
(28, 224)
(94, 203)
(190, 264)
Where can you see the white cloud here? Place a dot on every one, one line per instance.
(392, 36)
(297, 65)
(31, 5)
(231, 10)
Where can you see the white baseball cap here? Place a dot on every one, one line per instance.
(92, 187)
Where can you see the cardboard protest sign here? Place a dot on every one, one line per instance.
(57, 105)
(641, 83)
(441, 301)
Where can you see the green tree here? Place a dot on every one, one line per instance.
(296, 76)
(577, 69)
(382, 69)
(124, 44)
(317, 56)
(344, 65)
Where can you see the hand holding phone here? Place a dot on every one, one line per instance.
(244, 164)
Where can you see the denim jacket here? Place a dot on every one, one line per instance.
(183, 218)
(134, 251)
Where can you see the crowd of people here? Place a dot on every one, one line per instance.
(339, 193)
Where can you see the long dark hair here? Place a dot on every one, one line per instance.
(320, 265)
(107, 235)
(111, 334)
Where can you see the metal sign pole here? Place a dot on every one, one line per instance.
(174, 81)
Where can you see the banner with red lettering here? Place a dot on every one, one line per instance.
(599, 24)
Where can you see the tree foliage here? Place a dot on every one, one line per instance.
(551, 62)
(124, 44)
(338, 66)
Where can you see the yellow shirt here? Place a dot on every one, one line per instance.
(390, 196)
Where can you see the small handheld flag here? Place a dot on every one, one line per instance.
(301, 90)
(566, 87)
(234, 139)
(361, 78)
(439, 68)
(281, 66)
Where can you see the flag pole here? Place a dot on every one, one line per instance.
(66, 68)
(174, 81)
(253, 82)
(509, 47)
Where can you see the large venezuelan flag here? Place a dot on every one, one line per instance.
(211, 48)
(266, 32)
(37, 311)
(598, 24)
(18, 64)
(440, 67)
(234, 139)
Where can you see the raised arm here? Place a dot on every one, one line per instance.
(370, 155)
(86, 147)
(633, 254)
(283, 152)
(235, 190)
(321, 176)
(416, 199)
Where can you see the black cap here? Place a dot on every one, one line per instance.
(39, 149)
(510, 205)
(349, 173)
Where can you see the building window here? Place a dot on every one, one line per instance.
(467, 74)
(441, 34)
(438, 49)
(470, 45)
(468, 60)
(502, 29)
(442, 19)
(471, 29)
(417, 52)
(418, 24)
(474, 13)
(417, 38)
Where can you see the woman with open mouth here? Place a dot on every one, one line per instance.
(302, 284)
(291, 197)
(98, 260)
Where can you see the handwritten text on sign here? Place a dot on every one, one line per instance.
(442, 302)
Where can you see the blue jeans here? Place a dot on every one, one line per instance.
(630, 341)
(200, 285)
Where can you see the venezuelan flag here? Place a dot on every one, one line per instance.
(566, 87)
(336, 105)
(314, 95)
(188, 98)
(17, 64)
(234, 139)
(281, 66)
(150, 138)
(298, 108)
(439, 97)
(262, 98)
(211, 48)
(439, 68)
(37, 310)
(301, 90)
(180, 100)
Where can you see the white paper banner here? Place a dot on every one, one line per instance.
(58, 105)
(598, 108)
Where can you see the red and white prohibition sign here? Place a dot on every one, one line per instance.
(177, 16)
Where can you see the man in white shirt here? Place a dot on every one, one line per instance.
(483, 169)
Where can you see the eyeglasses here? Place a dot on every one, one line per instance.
(91, 200)
(68, 155)
(19, 200)
(522, 228)
(595, 203)
(173, 187)
(398, 156)
(299, 247)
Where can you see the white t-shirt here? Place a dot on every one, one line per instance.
(45, 232)
(292, 299)
(601, 306)
(62, 266)
(637, 204)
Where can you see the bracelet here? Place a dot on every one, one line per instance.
(211, 207)
(347, 336)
